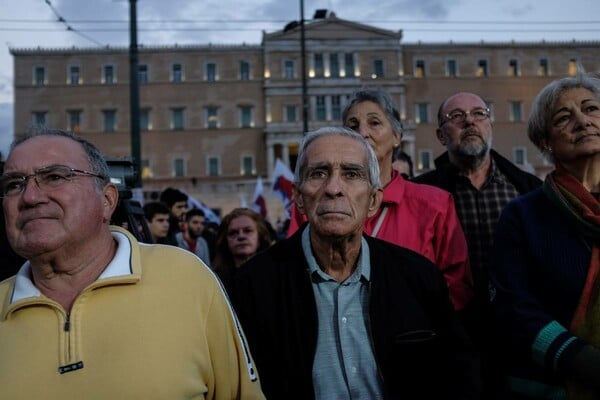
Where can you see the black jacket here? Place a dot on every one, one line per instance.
(446, 174)
(420, 347)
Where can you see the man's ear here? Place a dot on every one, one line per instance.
(110, 200)
(297, 197)
(441, 137)
(376, 198)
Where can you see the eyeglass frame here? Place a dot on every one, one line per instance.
(447, 117)
(23, 179)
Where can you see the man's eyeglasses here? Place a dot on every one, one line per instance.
(47, 179)
(459, 116)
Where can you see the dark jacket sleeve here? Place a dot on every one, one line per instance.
(276, 307)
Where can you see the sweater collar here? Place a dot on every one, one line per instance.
(120, 266)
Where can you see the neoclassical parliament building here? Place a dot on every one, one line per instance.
(215, 117)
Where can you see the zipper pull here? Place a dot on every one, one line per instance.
(67, 326)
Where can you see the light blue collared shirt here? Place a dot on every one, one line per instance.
(344, 366)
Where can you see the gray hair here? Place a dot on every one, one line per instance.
(539, 124)
(97, 162)
(373, 165)
(382, 99)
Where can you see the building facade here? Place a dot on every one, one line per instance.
(214, 118)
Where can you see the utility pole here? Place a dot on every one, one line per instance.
(134, 96)
(303, 61)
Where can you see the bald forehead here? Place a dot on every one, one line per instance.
(48, 149)
(464, 101)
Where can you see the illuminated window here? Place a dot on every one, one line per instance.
(513, 68)
(482, 68)
(543, 67)
(74, 120)
(419, 68)
(378, 69)
(212, 117)
(572, 67)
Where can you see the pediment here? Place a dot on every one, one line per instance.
(332, 28)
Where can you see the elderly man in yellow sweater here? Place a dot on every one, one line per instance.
(93, 313)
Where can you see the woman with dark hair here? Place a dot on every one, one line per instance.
(546, 255)
(242, 234)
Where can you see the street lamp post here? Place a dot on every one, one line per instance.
(134, 96)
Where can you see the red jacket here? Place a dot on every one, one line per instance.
(421, 218)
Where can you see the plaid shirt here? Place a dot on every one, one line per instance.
(478, 212)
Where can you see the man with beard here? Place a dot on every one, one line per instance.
(191, 238)
(482, 183)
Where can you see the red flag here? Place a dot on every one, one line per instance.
(283, 179)
(258, 201)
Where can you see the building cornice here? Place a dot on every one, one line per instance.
(141, 49)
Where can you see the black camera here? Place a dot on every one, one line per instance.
(129, 213)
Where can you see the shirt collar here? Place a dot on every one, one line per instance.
(119, 266)
(393, 192)
(363, 264)
(494, 176)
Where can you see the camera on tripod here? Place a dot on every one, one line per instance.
(129, 213)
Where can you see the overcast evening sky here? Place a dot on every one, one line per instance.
(33, 23)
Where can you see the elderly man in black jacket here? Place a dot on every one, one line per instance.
(333, 313)
(482, 183)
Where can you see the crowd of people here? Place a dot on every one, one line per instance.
(475, 280)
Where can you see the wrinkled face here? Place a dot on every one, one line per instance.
(369, 119)
(195, 226)
(159, 226)
(470, 137)
(39, 222)
(242, 237)
(335, 193)
(178, 209)
(575, 126)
